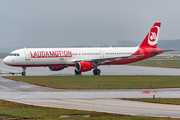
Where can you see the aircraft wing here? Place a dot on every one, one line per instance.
(101, 60)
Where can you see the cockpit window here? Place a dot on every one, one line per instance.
(14, 54)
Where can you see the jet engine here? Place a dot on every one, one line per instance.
(83, 66)
(56, 68)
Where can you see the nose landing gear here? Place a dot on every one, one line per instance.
(24, 71)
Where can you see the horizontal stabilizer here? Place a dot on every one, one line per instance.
(161, 51)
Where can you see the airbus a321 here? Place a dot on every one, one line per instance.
(85, 59)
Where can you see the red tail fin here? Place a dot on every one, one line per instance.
(151, 39)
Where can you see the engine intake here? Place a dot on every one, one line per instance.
(83, 66)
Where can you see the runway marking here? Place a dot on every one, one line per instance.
(156, 70)
(6, 88)
(120, 67)
(148, 92)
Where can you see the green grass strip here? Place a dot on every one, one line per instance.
(104, 82)
(174, 101)
(159, 63)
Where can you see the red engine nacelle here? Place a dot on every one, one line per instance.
(56, 68)
(83, 66)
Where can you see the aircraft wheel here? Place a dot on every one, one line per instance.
(96, 71)
(77, 72)
(23, 73)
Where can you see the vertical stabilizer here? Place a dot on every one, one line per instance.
(151, 39)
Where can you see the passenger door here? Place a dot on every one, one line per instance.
(101, 53)
(27, 54)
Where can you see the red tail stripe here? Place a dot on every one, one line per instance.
(157, 24)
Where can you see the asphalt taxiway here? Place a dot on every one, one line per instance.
(93, 100)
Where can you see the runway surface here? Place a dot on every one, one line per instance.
(93, 100)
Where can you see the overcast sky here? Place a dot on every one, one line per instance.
(53, 23)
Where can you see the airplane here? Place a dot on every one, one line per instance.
(85, 59)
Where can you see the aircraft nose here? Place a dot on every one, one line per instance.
(6, 61)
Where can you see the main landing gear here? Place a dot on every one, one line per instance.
(77, 72)
(96, 71)
(24, 71)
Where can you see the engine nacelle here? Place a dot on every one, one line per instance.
(83, 66)
(56, 68)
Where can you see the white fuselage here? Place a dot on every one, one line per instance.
(67, 56)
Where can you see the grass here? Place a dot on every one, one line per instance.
(21, 111)
(104, 82)
(174, 101)
(158, 63)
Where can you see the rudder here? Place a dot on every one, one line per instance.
(151, 39)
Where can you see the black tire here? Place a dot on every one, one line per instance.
(77, 72)
(23, 73)
(96, 71)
